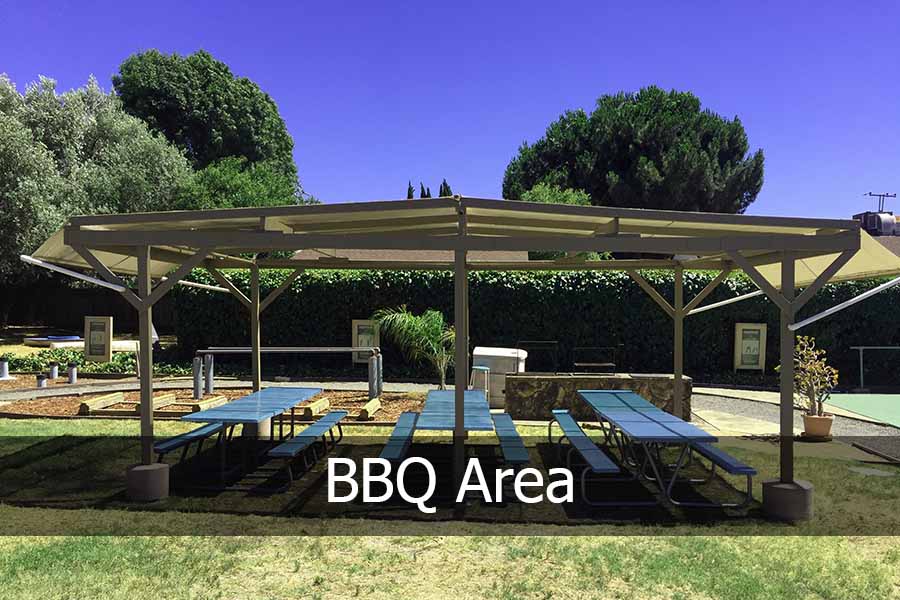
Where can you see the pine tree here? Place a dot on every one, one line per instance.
(410, 191)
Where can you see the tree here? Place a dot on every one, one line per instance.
(199, 105)
(77, 152)
(550, 194)
(231, 183)
(652, 149)
(424, 337)
(425, 191)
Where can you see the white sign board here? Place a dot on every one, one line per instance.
(750, 346)
(98, 335)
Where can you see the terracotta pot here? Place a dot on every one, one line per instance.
(818, 426)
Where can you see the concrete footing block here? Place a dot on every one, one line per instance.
(148, 483)
(260, 431)
(791, 501)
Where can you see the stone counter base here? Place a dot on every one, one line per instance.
(531, 396)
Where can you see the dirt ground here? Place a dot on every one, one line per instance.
(392, 403)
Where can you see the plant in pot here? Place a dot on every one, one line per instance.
(814, 380)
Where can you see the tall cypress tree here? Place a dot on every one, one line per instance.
(410, 191)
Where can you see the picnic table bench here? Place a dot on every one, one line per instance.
(401, 437)
(639, 430)
(306, 440)
(184, 440)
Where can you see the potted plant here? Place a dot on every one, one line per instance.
(814, 380)
(424, 337)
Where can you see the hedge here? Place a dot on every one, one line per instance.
(575, 308)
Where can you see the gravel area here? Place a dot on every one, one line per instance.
(883, 438)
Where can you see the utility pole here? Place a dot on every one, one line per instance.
(881, 198)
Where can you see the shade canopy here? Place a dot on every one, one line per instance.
(491, 227)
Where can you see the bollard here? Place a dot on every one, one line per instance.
(198, 378)
(54, 370)
(380, 379)
(42, 381)
(208, 368)
(373, 375)
(73, 372)
(4, 370)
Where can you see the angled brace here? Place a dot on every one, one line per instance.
(225, 282)
(161, 289)
(277, 291)
(773, 294)
(823, 278)
(108, 275)
(662, 302)
(700, 297)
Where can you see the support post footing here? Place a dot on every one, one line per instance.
(791, 501)
(148, 483)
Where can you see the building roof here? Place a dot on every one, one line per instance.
(427, 232)
(891, 242)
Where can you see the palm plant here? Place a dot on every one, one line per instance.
(424, 337)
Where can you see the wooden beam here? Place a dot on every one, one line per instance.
(823, 278)
(678, 345)
(280, 289)
(225, 282)
(773, 294)
(255, 355)
(108, 275)
(440, 239)
(706, 291)
(145, 355)
(662, 302)
(786, 348)
(162, 288)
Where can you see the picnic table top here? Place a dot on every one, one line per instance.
(255, 407)
(640, 420)
(438, 414)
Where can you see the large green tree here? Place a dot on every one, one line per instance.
(198, 104)
(76, 152)
(214, 116)
(652, 149)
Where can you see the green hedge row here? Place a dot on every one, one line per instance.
(575, 308)
(122, 362)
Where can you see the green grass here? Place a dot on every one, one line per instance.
(439, 567)
(752, 559)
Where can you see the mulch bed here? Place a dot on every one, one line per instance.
(392, 404)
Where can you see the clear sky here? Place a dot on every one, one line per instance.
(376, 94)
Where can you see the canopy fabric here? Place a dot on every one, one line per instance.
(699, 240)
(872, 260)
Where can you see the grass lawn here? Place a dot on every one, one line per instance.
(749, 558)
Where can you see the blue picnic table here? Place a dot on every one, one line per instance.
(439, 412)
(638, 430)
(254, 409)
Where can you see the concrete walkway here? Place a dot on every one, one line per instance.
(773, 398)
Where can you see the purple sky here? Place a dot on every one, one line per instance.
(375, 96)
